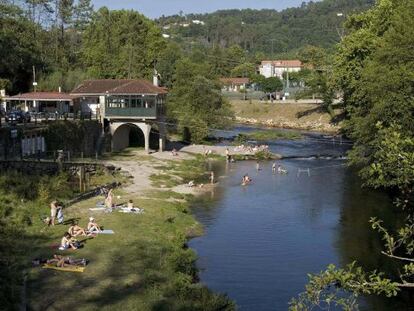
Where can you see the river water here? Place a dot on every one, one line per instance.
(261, 240)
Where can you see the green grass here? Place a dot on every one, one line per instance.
(143, 266)
(175, 173)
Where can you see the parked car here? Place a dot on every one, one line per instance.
(17, 116)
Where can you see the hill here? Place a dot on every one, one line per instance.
(266, 31)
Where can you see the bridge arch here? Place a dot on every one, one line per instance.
(121, 134)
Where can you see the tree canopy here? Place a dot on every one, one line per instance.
(374, 69)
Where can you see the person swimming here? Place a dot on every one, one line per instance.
(281, 170)
(246, 180)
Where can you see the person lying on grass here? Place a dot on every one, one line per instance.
(93, 227)
(68, 242)
(63, 261)
(76, 230)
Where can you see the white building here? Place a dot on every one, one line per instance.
(276, 68)
(198, 22)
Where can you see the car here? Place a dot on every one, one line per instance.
(17, 116)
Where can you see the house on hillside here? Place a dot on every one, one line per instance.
(276, 68)
(234, 84)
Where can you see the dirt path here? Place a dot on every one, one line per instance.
(140, 166)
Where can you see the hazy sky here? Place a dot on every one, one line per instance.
(156, 8)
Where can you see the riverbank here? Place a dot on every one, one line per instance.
(145, 265)
(284, 115)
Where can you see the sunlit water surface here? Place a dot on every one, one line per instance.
(262, 240)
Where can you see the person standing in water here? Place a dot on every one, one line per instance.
(227, 155)
(212, 177)
(274, 167)
(257, 165)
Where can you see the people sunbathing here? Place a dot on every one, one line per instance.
(68, 242)
(93, 227)
(64, 261)
(76, 230)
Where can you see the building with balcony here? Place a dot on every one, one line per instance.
(125, 106)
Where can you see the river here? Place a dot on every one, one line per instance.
(262, 240)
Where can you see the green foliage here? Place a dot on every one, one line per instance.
(270, 85)
(267, 31)
(244, 70)
(195, 100)
(167, 62)
(20, 208)
(340, 288)
(66, 80)
(70, 135)
(374, 69)
(121, 44)
(20, 48)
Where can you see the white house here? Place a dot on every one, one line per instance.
(234, 84)
(276, 68)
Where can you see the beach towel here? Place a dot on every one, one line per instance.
(101, 209)
(131, 210)
(67, 268)
(97, 208)
(107, 231)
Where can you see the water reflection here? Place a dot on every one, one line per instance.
(261, 240)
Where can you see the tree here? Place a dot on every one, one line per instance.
(375, 70)
(244, 70)
(82, 14)
(121, 44)
(270, 85)
(166, 63)
(19, 49)
(195, 101)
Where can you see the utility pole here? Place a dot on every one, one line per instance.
(34, 78)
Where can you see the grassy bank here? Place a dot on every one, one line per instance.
(145, 265)
(284, 115)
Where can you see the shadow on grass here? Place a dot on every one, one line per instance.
(319, 109)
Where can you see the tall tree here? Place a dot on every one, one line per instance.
(195, 101)
(375, 70)
(82, 14)
(121, 44)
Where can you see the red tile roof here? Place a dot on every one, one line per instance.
(121, 86)
(283, 63)
(238, 81)
(43, 96)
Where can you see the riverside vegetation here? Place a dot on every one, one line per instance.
(144, 265)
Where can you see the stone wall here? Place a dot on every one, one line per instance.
(48, 167)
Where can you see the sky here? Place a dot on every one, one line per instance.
(156, 8)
